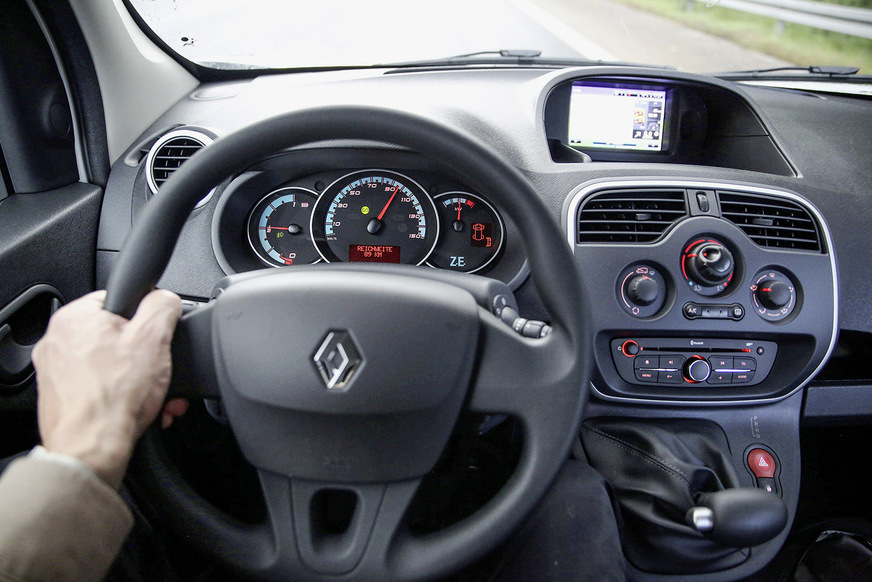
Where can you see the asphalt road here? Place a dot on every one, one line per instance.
(281, 33)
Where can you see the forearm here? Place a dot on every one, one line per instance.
(58, 523)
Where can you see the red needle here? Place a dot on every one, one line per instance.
(277, 227)
(385, 209)
(458, 210)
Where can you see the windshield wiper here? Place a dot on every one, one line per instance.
(511, 56)
(519, 53)
(825, 70)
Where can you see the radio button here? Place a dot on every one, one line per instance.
(744, 364)
(721, 363)
(670, 377)
(671, 362)
(742, 377)
(646, 375)
(646, 362)
(720, 378)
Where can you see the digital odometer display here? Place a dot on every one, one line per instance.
(617, 118)
(375, 216)
(373, 254)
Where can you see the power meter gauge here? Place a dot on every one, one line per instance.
(472, 234)
(278, 228)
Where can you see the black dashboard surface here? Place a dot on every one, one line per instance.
(824, 139)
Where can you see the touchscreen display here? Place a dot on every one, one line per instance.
(617, 118)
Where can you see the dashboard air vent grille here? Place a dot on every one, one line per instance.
(172, 155)
(771, 221)
(629, 216)
(171, 151)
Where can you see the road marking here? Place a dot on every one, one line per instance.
(575, 40)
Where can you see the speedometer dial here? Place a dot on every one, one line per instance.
(375, 216)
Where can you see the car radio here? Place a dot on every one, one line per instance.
(693, 361)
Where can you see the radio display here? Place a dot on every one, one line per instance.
(617, 118)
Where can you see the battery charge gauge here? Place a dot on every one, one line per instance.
(472, 234)
(278, 228)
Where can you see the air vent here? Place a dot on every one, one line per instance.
(170, 152)
(629, 216)
(770, 221)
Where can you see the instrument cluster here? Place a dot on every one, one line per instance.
(376, 216)
(368, 214)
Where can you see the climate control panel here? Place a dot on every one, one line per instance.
(700, 361)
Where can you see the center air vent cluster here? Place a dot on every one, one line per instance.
(630, 216)
(770, 221)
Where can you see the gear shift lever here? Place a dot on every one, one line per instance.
(739, 518)
(681, 499)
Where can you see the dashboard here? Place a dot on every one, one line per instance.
(705, 219)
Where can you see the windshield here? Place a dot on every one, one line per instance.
(689, 35)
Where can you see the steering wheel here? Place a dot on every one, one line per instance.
(406, 348)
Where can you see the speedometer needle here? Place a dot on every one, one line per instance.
(376, 223)
(385, 209)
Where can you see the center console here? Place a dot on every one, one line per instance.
(703, 292)
(713, 304)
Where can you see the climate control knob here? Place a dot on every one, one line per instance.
(697, 369)
(709, 263)
(774, 294)
(642, 290)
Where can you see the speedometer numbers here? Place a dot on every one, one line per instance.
(472, 233)
(375, 216)
(278, 228)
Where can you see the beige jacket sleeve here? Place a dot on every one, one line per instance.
(58, 523)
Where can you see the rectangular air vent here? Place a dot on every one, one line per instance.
(629, 216)
(770, 221)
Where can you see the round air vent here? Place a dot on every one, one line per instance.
(171, 151)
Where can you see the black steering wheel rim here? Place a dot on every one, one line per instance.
(551, 409)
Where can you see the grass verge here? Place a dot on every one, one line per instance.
(794, 43)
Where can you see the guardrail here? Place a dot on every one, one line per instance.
(842, 19)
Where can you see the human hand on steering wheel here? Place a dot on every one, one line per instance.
(102, 379)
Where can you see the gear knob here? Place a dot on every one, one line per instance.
(740, 518)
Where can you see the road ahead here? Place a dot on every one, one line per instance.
(330, 32)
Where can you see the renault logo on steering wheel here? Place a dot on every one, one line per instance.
(337, 359)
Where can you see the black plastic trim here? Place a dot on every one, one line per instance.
(85, 87)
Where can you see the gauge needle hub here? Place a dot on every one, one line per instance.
(374, 225)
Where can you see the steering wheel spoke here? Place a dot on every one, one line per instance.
(193, 362)
(516, 373)
(332, 529)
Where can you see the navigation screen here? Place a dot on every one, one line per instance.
(617, 118)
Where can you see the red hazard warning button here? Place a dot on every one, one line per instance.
(761, 463)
